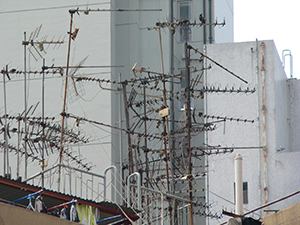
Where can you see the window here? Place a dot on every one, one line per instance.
(185, 9)
(245, 192)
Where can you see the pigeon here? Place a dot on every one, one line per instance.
(201, 18)
(74, 34)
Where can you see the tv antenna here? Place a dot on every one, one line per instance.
(37, 48)
(76, 89)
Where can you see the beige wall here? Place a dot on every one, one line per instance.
(10, 214)
(288, 216)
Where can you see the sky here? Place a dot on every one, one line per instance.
(270, 20)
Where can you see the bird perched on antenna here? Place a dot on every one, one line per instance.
(12, 71)
(201, 58)
(86, 12)
(201, 18)
(141, 69)
(74, 34)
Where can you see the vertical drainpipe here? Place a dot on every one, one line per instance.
(238, 161)
(204, 27)
(210, 21)
(258, 124)
(262, 46)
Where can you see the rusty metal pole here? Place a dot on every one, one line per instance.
(188, 122)
(189, 139)
(166, 122)
(262, 46)
(145, 126)
(5, 149)
(164, 118)
(130, 163)
(43, 121)
(65, 99)
(25, 106)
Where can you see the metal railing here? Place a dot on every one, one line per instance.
(92, 181)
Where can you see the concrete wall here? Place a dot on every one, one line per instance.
(288, 215)
(224, 10)
(244, 59)
(10, 214)
(94, 103)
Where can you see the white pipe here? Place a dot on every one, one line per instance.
(162, 209)
(239, 185)
(139, 189)
(113, 197)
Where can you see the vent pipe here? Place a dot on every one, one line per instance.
(287, 52)
(239, 184)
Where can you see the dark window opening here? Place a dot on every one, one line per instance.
(245, 192)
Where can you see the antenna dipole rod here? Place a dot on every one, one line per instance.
(43, 121)
(65, 100)
(218, 64)
(86, 11)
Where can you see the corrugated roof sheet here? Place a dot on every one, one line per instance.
(11, 190)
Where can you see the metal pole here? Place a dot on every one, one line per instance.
(65, 99)
(188, 122)
(6, 132)
(25, 107)
(164, 118)
(130, 164)
(206, 132)
(172, 111)
(165, 121)
(43, 120)
(120, 137)
(5, 152)
(18, 154)
(146, 150)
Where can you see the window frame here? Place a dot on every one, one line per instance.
(181, 36)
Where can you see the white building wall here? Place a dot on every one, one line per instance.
(244, 59)
(132, 42)
(224, 11)
(92, 40)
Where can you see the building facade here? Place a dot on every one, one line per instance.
(138, 43)
(263, 128)
(50, 22)
(109, 38)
